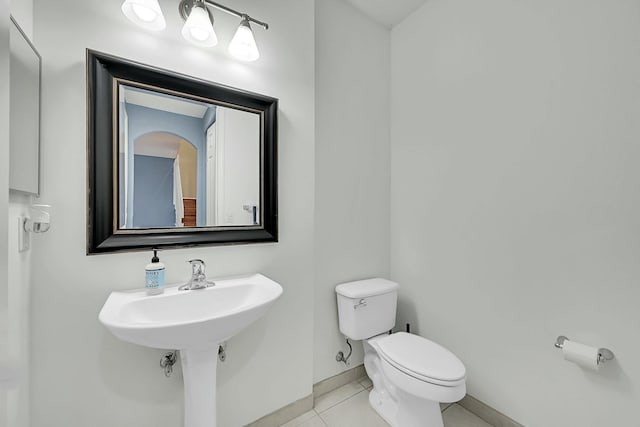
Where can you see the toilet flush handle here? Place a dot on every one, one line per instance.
(361, 303)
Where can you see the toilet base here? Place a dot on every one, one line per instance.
(386, 407)
(409, 411)
(417, 412)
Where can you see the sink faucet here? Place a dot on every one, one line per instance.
(198, 277)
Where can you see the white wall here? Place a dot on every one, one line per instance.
(241, 186)
(83, 376)
(352, 166)
(515, 211)
(4, 198)
(22, 12)
(18, 271)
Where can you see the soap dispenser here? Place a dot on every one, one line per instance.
(154, 275)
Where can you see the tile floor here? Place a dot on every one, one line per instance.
(348, 406)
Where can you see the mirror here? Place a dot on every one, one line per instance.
(185, 163)
(176, 161)
(24, 120)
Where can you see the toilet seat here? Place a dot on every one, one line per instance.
(422, 359)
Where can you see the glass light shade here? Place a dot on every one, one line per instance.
(198, 28)
(243, 45)
(145, 13)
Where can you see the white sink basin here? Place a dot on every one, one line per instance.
(189, 319)
(194, 322)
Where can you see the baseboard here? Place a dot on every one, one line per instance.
(487, 413)
(285, 414)
(332, 383)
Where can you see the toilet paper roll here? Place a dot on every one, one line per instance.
(580, 354)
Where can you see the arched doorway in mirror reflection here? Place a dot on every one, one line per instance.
(165, 181)
(157, 122)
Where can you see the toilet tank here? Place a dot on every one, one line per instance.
(367, 308)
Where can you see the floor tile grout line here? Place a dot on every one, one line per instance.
(318, 413)
(346, 402)
(323, 421)
(343, 400)
(445, 408)
(339, 403)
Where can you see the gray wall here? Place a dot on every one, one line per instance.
(515, 210)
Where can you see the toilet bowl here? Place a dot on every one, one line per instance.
(411, 375)
(415, 376)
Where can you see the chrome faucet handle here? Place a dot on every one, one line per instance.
(197, 266)
(198, 278)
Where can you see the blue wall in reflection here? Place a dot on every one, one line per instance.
(153, 204)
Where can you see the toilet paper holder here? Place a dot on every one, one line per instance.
(604, 354)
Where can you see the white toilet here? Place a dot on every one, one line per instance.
(411, 375)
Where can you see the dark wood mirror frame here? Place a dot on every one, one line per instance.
(103, 235)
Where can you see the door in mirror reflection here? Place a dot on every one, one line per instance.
(184, 162)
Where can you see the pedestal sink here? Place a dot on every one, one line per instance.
(195, 322)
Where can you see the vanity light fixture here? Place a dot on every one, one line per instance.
(198, 27)
(146, 13)
(243, 45)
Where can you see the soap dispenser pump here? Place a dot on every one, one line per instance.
(154, 275)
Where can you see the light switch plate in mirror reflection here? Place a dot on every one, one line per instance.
(176, 161)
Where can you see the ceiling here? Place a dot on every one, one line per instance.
(387, 12)
(169, 103)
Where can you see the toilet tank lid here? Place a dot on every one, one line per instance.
(366, 288)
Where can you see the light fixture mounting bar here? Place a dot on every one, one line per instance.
(236, 13)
